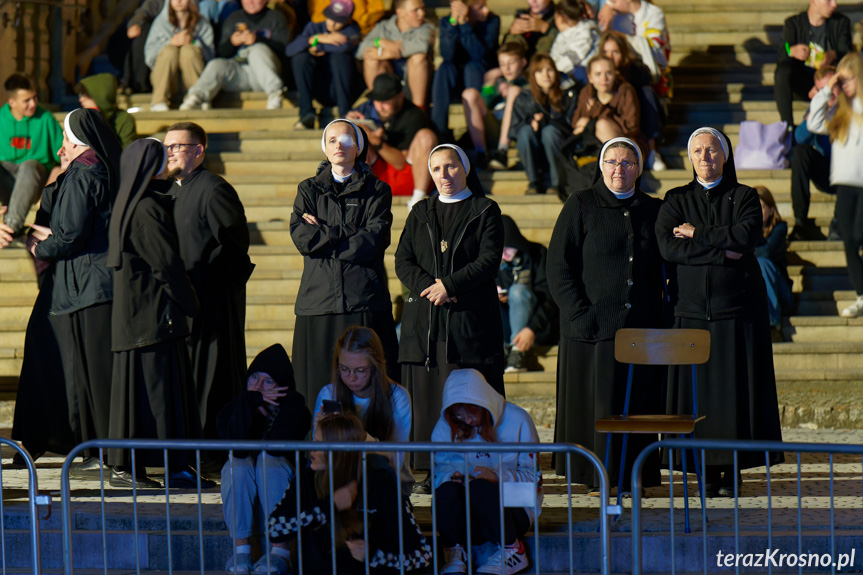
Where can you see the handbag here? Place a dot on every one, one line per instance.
(762, 146)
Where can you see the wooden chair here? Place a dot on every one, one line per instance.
(657, 347)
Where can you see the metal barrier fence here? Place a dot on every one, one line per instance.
(34, 500)
(750, 550)
(510, 495)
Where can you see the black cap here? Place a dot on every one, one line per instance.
(386, 87)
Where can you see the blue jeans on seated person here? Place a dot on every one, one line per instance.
(243, 495)
(330, 79)
(449, 82)
(515, 313)
(540, 152)
(778, 291)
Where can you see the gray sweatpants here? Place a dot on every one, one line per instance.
(30, 177)
(260, 72)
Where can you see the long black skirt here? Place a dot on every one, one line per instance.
(45, 417)
(425, 385)
(153, 397)
(315, 338)
(736, 388)
(591, 385)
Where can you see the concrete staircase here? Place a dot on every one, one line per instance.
(723, 61)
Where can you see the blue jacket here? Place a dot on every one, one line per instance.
(301, 42)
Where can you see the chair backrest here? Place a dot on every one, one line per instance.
(662, 346)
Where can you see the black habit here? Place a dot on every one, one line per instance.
(214, 245)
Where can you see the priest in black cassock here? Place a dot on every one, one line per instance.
(152, 392)
(214, 245)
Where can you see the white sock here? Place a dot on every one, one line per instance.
(281, 552)
(418, 195)
(247, 549)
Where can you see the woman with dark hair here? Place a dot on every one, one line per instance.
(541, 120)
(772, 257)
(76, 242)
(341, 224)
(361, 386)
(709, 229)
(152, 392)
(605, 273)
(473, 412)
(448, 257)
(382, 509)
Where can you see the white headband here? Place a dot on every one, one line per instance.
(164, 155)
(462, 156)
(625, 141)
(716, 133)
(70, 134)
(360, 142)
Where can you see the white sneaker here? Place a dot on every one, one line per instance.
(853, 310)
(274, 101)
(513, 562)
(193, 102)
(160, 107)
(454, 559)
(655, 161)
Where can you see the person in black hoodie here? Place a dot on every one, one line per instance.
(341, 224)
(605, 273)
(448, 257)
(529, 313)
(253, 483)
(152, 391)
(76, 242)
(710, 229)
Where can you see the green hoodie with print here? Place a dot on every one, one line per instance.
(103, 89)
(35, 138)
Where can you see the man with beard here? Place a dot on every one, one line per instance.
(214, 245)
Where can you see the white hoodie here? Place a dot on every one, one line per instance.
(512, 424)
(846, 167)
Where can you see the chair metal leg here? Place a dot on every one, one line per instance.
(700, 484)
(620, 469)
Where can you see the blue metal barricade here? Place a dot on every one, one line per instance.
(34, 500)
(782, 545)
(180, 537)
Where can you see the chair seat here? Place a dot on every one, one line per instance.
(680, 424)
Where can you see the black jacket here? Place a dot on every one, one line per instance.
(78, 245)
(384, 508)
(708, 284)
(153, 296)
(241, 419)
(525, 107)
(796, 31)
(343, 257)
(474, 329)
(529, 267)
(604, 267)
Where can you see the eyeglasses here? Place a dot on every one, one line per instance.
(345, 371)
(174, 148)
(614, 163)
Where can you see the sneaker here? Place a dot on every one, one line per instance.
(515, 361)
(655, 162)
(853, 310)
(306, 123)
(455, 560)
(274, 101)
(160, 107)
(243, 565)
(497, 160)
(193, 102)
(514, 560)
(278, 565)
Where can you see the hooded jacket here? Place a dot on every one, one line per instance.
(709, 285)
(512, 424)
(241, 418)
(474, 329)
(103, 89)
(343, 257)
(161, 32)
(34, 138)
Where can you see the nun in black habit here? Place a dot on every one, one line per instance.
(76, 242)
(605, 273)
(709, 228)
(341, 224)
(153, 393)
(448, 257)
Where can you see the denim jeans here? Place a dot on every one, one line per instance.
(778, 291)
(521, 305)
(449, 82)
(329, 79)
(243, 496)
(539, 152)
